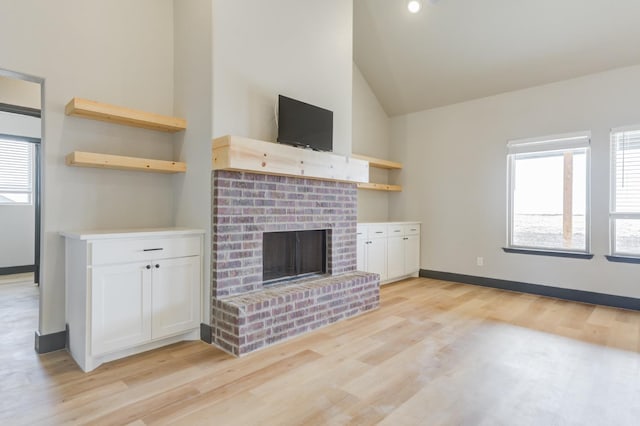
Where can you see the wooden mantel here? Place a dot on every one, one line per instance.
(251, 155)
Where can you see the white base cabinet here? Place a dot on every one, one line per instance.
(175, 300)
(120, 307)
(372, 249)
(127, 292)
(389, 249)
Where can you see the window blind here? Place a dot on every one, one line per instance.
(16, 170)
(550, 143)
(626, 171)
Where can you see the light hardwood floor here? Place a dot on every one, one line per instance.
(435, 353)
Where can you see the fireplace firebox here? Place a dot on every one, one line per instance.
(292, 254)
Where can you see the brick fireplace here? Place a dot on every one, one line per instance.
(246, 315)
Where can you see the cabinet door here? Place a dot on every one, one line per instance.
(361, 254)
(412, 254)
(120, 307)
(361, 247)
(176, 296)
(395, 258)
(377, 257)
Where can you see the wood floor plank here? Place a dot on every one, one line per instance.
(135, 411)
(602, 315)
(229, 390)
(312, 404)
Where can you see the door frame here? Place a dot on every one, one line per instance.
(37, 198)
(56, 341)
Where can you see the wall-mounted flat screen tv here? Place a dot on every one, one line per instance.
(304, 125)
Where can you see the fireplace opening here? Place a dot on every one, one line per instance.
(292, 254)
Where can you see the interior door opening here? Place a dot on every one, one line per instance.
(20, 141)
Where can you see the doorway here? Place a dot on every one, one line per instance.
(20, 198)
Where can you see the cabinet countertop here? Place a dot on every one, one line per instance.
(102, 234)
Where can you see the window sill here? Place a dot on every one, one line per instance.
(550, 253)
(623, 259)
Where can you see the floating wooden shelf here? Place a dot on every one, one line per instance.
(378, 162)
(120, 115)
(118, 162)
(380, 187)
(243, 154)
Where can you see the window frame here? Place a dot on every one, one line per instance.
(541, 145)
(30, 142)
(613, 214)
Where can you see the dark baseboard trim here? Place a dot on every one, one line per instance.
(550, 253)
(51, 342)
(206, 333)
(623, 259)
(10, 270)
(537, 289)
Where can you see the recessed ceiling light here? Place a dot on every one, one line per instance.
(414, 6)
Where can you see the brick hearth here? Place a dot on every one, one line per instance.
(246, 315)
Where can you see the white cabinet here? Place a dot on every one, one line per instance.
(395, 259)
(372, 250)
(376, 257)
(127, 292)
(175, 297)
(361, 250)
(389, 249)
(120, 307)
(412, 249)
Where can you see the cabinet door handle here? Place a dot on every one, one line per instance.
(405, 238)
(148, 266)
(153, 249)
(157, 266)
(378, 232)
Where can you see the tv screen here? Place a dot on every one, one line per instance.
(304, 125)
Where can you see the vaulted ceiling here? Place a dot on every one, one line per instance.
(457, 50)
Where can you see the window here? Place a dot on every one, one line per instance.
(16, 172)
(625, 192)
(548, 193)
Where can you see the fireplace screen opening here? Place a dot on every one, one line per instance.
(286, 255)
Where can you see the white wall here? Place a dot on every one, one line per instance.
(17, 226)
(371, 136)
(455, 178)
(193, 100)
(119, 52)
(19, 92)
(17, 221)
(298, 48)
(20, 125)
